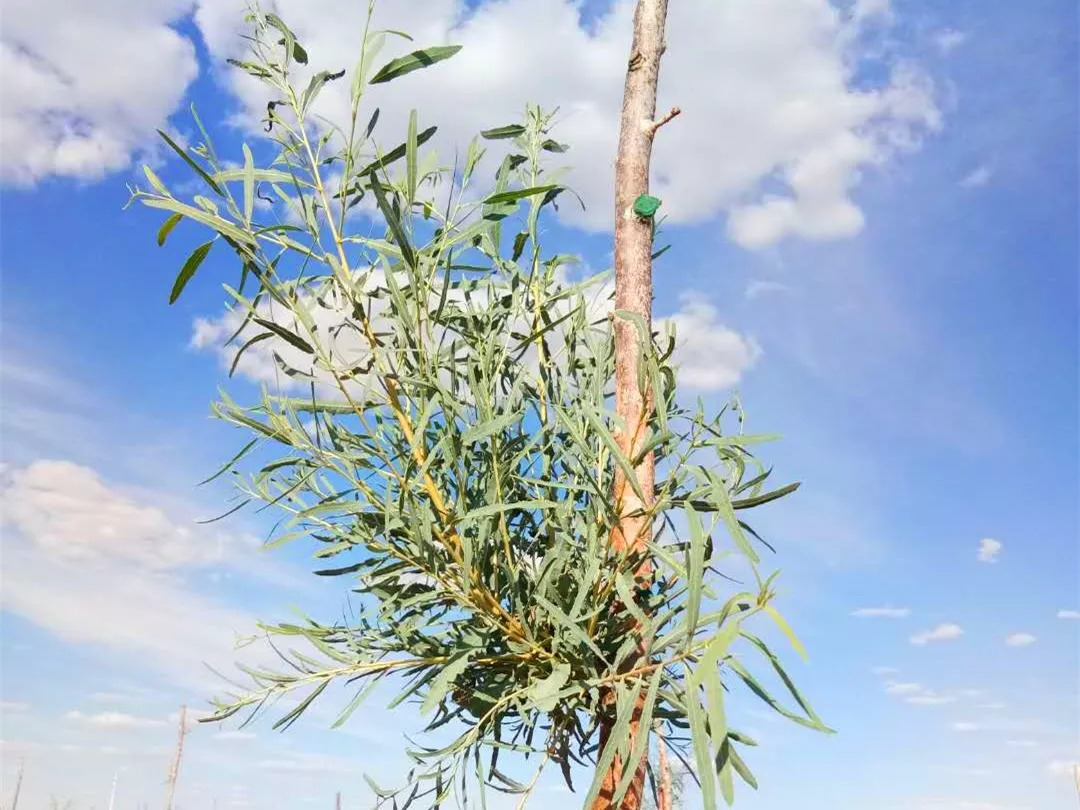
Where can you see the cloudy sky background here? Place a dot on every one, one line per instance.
(874, 212)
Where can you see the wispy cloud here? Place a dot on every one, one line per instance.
(918, 695)
(978, 177)
(1068, 614)
(930, 699)
(943, 632)
(1020, 639)
(881, 613)
(949, 40)
(964, 725)
(989, 550)
(758, 287)
(897, 688)
(117, 721)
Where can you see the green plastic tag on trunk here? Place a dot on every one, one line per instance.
(646, 206)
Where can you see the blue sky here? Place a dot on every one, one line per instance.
(874, 216)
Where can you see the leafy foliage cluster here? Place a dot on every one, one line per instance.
(452, 452)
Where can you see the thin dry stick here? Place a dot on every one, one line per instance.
(18, 784)
(174, 771)
(633, 294)
(337, 801)
(112, 793)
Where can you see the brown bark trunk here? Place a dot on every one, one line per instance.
(633, 294)
(663, 794)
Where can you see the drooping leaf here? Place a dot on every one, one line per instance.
(188, 270)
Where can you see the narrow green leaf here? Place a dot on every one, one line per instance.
(286, 335)
(222, 226)
(472, 157)
(543, 694)
(758, 500)
(785, 628)
(188, 160)
(394, 223)
(498, 508)
(155, 181)
(442, 683)
(315, 86)
(382, 793)
(498, 133)
(416, 60)
(517, 194)
(485, 429)
(236, 358)
(188, 270)
(410, 159)
(229, 464)
(617, 738)
(249, 184)
(167, 227)
(699, 738)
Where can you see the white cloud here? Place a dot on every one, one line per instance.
(1068, 614)
(85, 84)
(116, 721)
(801, 122)
(917, 694)
(94, 566)
(1022, 743)
(69, 512)
(885, 670)
(897, 688)
(868, 9)
(978, 177)
(943, 632)
(1020, 639)
(989, 550)
(882, 613)
(949, 40)
(1003, 726)
(13, 707)
(148, 616)
(965, 726)
(1061, 767)
(709, 355)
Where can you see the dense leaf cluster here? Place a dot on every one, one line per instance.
(446, 441)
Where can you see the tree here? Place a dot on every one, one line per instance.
(446, 441)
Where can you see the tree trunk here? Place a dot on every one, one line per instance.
(633, 294)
